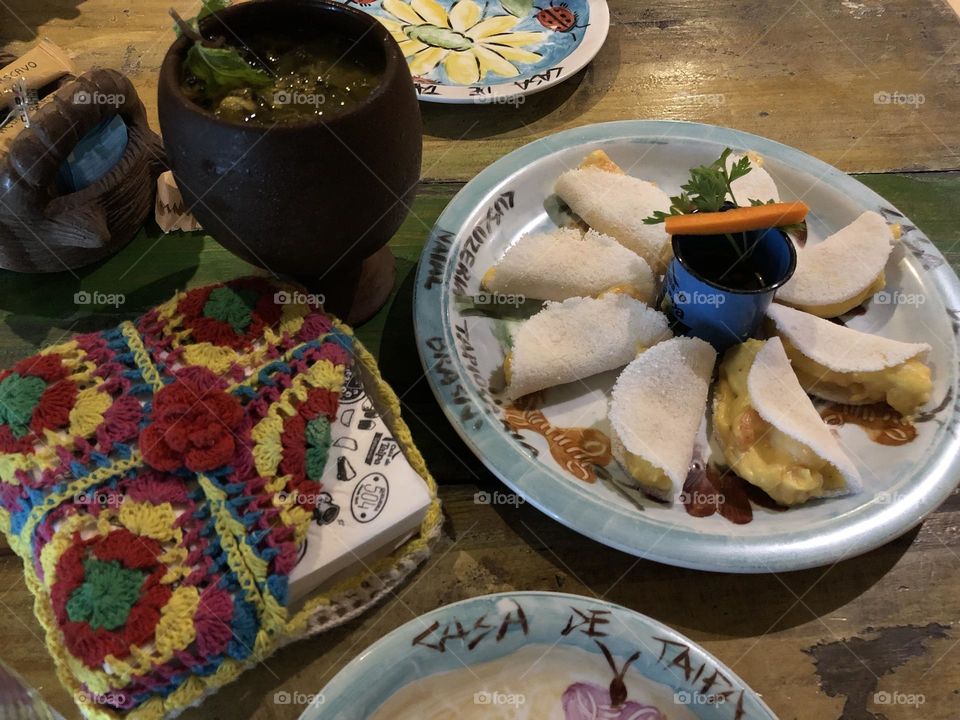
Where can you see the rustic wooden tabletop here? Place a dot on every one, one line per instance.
(816, 644)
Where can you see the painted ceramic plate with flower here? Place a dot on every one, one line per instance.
(539, 655)
(480, 51)
(695, 345)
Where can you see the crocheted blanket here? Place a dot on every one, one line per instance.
(158, 478)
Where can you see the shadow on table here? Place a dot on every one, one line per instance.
(447, 456)
(726, 604)
(97, 296)
(548, 109)
(20, 19)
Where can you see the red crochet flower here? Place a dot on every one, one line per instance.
(194, 422)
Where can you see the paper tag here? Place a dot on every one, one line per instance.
(170, 212)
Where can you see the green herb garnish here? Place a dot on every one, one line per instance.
(707, 189)
(798, 231)
(208, 7)
(218, 66)
(223, 69)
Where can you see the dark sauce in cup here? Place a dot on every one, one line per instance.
(717, 261)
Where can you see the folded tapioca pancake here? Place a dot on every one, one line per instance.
(842, 271)
(577, 338)
(655, 411)
(566, 263)
(770, 432)
(615, 204)
(756, 184)
(848, 366)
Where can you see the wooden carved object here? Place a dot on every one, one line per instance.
(44, 230)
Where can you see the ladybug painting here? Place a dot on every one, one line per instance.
(558, 18)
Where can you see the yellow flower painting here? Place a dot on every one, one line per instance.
(467, 46)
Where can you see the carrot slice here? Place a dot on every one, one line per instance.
(739, 219)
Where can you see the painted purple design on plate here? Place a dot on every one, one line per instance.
(586, 701)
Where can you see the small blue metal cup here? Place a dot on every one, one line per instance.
(717, 295)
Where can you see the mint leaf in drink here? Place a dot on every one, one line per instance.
(223, 69)
(208, 7)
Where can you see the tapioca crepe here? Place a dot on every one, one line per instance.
(848, 366)
(577, 338)
(843, 271)
(615, 204)
(656, 408)
(756, 184)
(567, 263)
(770, 432)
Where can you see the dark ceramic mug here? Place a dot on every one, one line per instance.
(317, 200)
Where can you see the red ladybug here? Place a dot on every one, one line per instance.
(559, 18)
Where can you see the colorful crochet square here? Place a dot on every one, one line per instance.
(157, 480)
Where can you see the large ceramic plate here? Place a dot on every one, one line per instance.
(548, 656)
(488, 51)
(549, 456)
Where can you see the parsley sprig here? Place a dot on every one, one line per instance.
(707, 189)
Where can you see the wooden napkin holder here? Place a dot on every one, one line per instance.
(43, 230)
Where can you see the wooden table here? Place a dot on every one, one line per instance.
(816, 643)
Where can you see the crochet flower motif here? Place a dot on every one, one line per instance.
(108, 595)
(306, 436)
(194, 424)
(35, 395)
(231, 315)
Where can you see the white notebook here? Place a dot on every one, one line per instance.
(374, 500)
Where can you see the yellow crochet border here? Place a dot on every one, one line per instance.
(196, 688)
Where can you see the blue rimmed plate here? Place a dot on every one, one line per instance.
(557, 456)
(491, 51)
(539, 655)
